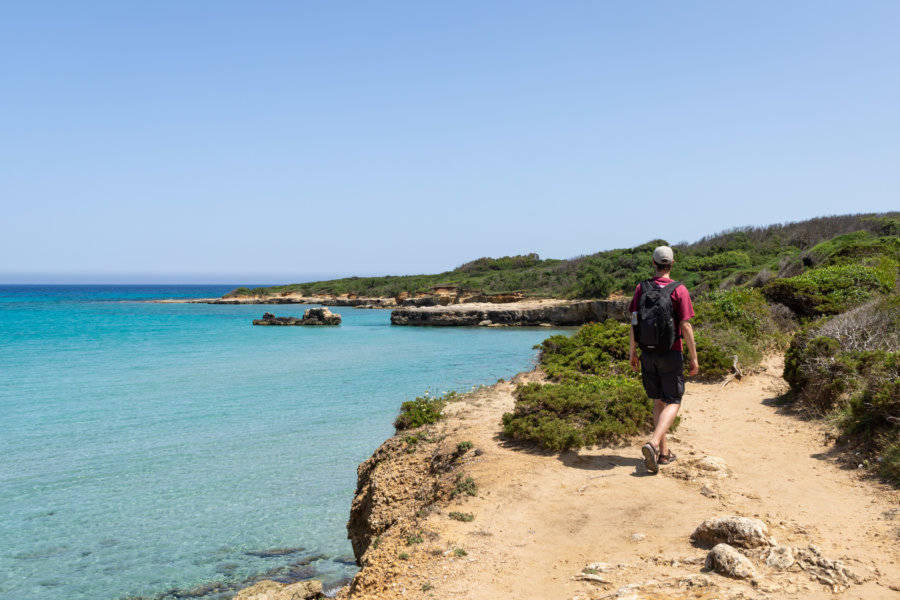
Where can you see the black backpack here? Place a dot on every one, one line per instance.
(655, 329)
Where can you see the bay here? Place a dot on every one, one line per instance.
(151, 447)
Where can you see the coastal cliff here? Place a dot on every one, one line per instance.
(452, 510)
(537, 312)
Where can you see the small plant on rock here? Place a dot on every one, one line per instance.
(459, 552)
(423, 410)
(464, 485)
(461, 516)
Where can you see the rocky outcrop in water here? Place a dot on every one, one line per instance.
(551, 312)
(311, 316)
(272, 590)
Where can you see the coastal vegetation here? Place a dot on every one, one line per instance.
(464, 486)
(461, 516)
(726, 260)
(835, 310)
(825, 291)
(424, 410)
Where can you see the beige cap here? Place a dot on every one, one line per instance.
(663, 255)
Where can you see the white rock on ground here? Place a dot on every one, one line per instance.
(726, 560)
(742, 532)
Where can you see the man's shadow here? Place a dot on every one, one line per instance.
(597, 462)
(574, 460)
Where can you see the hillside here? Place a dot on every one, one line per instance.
(738, 257)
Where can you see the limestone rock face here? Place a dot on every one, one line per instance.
(272, 590)
(320, 316)
(311, 316)
(726, 560)
(554, 312)
(742, 532)
(780, 558)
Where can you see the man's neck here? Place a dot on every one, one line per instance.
(664, 273)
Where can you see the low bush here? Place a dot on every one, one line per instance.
(848, 366)
(826, 358)
(833, 289)
(461, 516)
(871, 416)
(595, 349)
(424, 410)
(733, 259)
(464, 485)
(716, 349)
(572, 415)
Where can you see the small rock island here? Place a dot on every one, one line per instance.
(311, 316)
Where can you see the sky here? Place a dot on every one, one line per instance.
(276, 142)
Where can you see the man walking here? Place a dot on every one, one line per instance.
(659, 323)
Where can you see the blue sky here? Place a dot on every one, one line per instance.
(284, 141)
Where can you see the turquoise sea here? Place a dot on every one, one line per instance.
(150, 450)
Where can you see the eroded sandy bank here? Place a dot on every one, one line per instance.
(540, 519)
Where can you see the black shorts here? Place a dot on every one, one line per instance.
(663, 375)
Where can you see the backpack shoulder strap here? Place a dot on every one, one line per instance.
(671, 287)
(646, 286)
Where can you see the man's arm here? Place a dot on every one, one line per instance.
(687, 335)
(632, 352)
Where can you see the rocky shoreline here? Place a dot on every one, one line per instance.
(452, 511)
(529, 313)
(446, 311)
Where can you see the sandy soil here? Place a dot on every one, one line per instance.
(540, 519)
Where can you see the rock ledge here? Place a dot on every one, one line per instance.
(311, 316)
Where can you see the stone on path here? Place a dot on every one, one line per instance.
(780, 558)
(726, 560)
(742, 532)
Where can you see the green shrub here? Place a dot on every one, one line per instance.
(733, 259)
(595, 349)
(424, 410)
(464, 485)
(831, 290)
(889, 465)
(463, 447)
(743, 309)
(872, 414)
(827, 358)
(573, 415)
(715, 356)
(876, 408)
(238, 292)
(461, 516)
(855, 248)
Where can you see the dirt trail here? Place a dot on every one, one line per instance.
(540, 519)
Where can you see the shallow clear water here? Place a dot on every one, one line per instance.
(150, 447)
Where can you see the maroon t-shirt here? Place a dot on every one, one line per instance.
(681, 305)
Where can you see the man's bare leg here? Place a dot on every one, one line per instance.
(663, 418)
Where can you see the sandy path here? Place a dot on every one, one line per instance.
(541, 518)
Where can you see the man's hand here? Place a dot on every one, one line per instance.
(693, 366)
(635, 363)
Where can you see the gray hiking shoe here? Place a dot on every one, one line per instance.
(649, 453)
